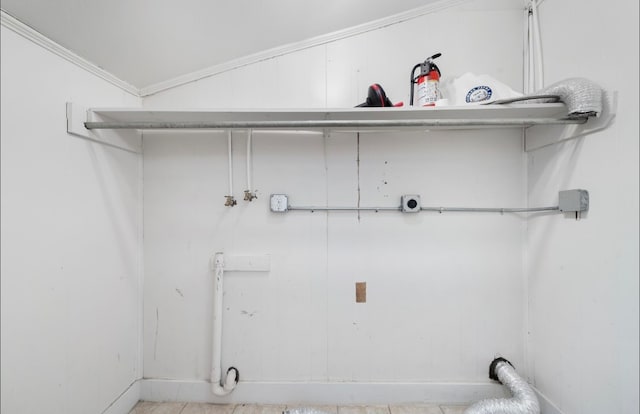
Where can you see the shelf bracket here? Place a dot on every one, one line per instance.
(540, 136)
(77, 115)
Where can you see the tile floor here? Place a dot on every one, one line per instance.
(144, 407)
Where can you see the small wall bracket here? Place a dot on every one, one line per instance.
(77, 115)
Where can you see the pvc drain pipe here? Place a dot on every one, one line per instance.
(523, 400)
(233, 376)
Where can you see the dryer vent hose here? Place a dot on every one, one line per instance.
(523, 400)
(582, 97)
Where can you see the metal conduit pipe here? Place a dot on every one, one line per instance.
(523, 400)
(218, 387)
(436, 209)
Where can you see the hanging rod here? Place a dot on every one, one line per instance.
(521, 122)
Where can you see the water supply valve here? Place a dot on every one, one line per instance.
(249, 196)
(230, 201)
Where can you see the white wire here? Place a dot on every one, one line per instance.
(537, 43)
(525, 52)
(531, 77)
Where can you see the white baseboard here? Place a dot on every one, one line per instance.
(315, 393)
(322, 393)
(125, 402)
(546, 406)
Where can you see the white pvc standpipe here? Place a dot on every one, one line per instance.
(523, 400)
(217, 386)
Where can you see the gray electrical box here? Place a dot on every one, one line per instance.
(573, 201)
(279, 203)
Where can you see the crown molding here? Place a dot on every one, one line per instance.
(38, 38)
(298, 46)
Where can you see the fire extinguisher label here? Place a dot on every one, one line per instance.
(479, 94)
(428, 92)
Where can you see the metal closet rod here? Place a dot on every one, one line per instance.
(436, 209)
(332, 123)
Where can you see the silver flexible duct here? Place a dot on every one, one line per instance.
(523, 400)
(582, 97)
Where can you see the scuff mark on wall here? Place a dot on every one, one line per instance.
(249, 314)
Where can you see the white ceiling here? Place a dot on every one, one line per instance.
(144, 42)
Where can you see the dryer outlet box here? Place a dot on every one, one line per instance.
(410, 203)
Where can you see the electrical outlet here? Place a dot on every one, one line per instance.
(410, 203)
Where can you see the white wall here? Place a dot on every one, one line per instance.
(445, 292)
(470, 37)
(583, 275)
(70, 242)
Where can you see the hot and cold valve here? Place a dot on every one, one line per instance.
(249, 196)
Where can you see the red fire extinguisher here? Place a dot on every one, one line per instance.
(428, 82)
